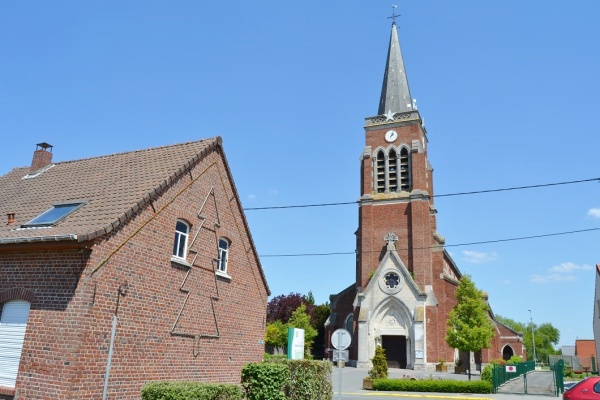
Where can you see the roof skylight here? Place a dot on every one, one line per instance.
(55, 214)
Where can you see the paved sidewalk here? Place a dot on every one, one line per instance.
(352, 386)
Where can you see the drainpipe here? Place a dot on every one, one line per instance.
(121, 292)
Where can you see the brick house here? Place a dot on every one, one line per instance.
(123, 269)
(405, 279)
(585, 351)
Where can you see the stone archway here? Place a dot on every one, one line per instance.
(507, 352)
(392, 328)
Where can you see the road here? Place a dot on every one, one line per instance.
(351, 381)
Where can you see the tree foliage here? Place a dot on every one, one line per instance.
(276, 334)
(322, 312)
(380, 364)
(545, 335)
(280, 308)
(470, 327)
(300, 319)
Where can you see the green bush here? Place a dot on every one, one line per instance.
(288, 379)
(487, 373)
(265, 381)
(515, 360)
(568, 372)
(190, 391)
(272, 357)
(440, 386)
(380, 364)
(309, 380)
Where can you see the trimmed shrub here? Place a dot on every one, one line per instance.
(440, 386)
(309, 380)
(265, 381)
(380, 364)
(288, 379)
(487, 373)
(272, 357)
(190, 391)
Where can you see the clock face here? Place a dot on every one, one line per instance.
(390, 136)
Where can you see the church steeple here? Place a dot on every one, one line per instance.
(395, 95)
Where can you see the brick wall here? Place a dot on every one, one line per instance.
(221, 327)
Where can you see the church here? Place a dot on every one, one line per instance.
(405, 279)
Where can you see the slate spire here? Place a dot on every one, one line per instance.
(395, 95)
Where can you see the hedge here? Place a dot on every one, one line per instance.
(265, 381)
(191, 391)
(309, 380)
(282, 379)
(431, 385)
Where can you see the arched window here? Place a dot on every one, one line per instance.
(380, 172)
(349, 324)
(392, 171)
(13, 323)
(223, 254)
(182, 230)
(404, 169)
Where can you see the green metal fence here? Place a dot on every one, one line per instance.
(559, 383)
(518, 374)
(577, 364)
(504, 373)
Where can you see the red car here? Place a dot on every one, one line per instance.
(587, 389)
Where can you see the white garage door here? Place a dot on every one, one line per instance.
(13, 322)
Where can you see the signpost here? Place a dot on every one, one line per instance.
(340, 339)
(295, 344)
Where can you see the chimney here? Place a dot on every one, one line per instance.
(11, 218)
(41, 156)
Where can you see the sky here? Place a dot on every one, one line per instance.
(508, 91)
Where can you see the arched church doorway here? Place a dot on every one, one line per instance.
(507, 353)
(395, 350)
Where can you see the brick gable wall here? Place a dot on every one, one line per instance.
(220, 328)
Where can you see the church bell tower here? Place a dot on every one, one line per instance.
(396, 179)
(405, 280)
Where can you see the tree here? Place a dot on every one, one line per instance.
(518, 327)
(470, 327)
(280, 308)
(545, 336)
(279, 313)
(322, 312)
(380, 364)
(300, 319)
(276, 334)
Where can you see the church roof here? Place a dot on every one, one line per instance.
(395, 94)
(109, 188)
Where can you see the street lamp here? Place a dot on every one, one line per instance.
(532, 337)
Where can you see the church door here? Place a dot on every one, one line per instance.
(395, 350)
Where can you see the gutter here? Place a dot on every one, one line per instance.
(34, 239)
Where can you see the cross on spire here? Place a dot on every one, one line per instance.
(394, 15)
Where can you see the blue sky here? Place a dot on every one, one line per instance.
(508, 91)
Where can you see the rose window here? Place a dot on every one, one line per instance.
(392, 280)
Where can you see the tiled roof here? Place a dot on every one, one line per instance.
(112, 186)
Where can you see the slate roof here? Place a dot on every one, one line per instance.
(395, 94)
(113, 186)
